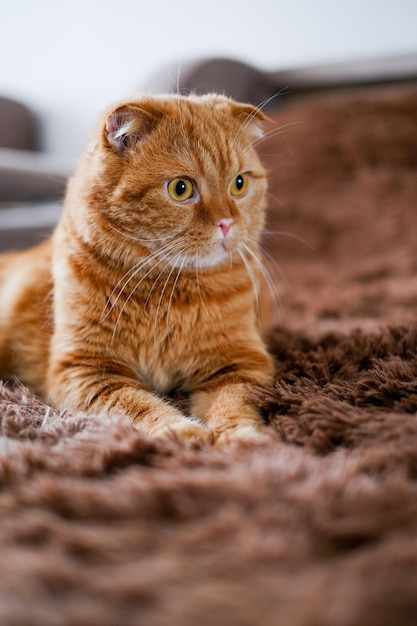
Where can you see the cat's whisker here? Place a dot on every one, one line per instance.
(166, 256)
(281, 92)
(178, 79)
(254, 113)
(134, 271)
(280, 233)
(252, 116)
(274, 132)
(146, 240)
(183, 262)
(181, 126)
(198, 269)
(268, 279)
(276, 155)
(132, 292)
(282, 130)
(158, 307)
(271, 261)
(243, 127)
(110, 306)
(252, 278)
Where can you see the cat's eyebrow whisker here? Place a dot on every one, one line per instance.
(274, 132)
(243, 127)
(254, 113)
(282, 130)
(181, 127)
(259, 107)
(178, 78)
(265, 102)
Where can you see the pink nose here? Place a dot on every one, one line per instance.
(225, 225)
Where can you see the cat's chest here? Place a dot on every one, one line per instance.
(169, 344)
(182, 335)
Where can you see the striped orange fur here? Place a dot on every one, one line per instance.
(149, 282)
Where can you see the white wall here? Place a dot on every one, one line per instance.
(69, 59)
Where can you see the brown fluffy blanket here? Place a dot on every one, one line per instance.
(316, 527)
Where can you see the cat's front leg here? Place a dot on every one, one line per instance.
(83, 389)
(229, 411)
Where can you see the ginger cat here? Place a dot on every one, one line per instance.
(149, 282)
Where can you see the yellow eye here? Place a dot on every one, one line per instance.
(180, 189)
(239, 185)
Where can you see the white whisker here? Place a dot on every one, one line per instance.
(254, 113)
(165, 257)
(163, 270)
(252, 278)
(281, 130)
(281, 92)
(281, 233)
(184, 260)
(158, 307)
(133, 272)
(147, 240)
(197, 276)
(275, 132)
(178, 79)
(138, 285)
(268, 279)
(273, 262)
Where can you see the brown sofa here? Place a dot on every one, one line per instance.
(32, 182)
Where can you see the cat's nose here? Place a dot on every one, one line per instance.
(225, 225)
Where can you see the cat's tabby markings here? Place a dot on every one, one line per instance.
(149, 282)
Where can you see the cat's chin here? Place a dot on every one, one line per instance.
(197, 261)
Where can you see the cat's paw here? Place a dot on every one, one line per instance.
(184, 430)
(246, 433)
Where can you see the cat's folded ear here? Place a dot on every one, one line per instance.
(252, 118)
(127, 125)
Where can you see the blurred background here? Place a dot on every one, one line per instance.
(68, 60)
(62, 63)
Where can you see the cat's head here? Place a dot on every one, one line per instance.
(177, 177)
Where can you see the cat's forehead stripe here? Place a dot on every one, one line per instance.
(212, 147)
(216, 151)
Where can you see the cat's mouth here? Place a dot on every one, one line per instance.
(218, 253)
(204, 252)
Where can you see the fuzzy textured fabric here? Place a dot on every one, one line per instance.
(317, 526)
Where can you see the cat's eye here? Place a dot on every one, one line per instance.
(180, 189)
(239, 185)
